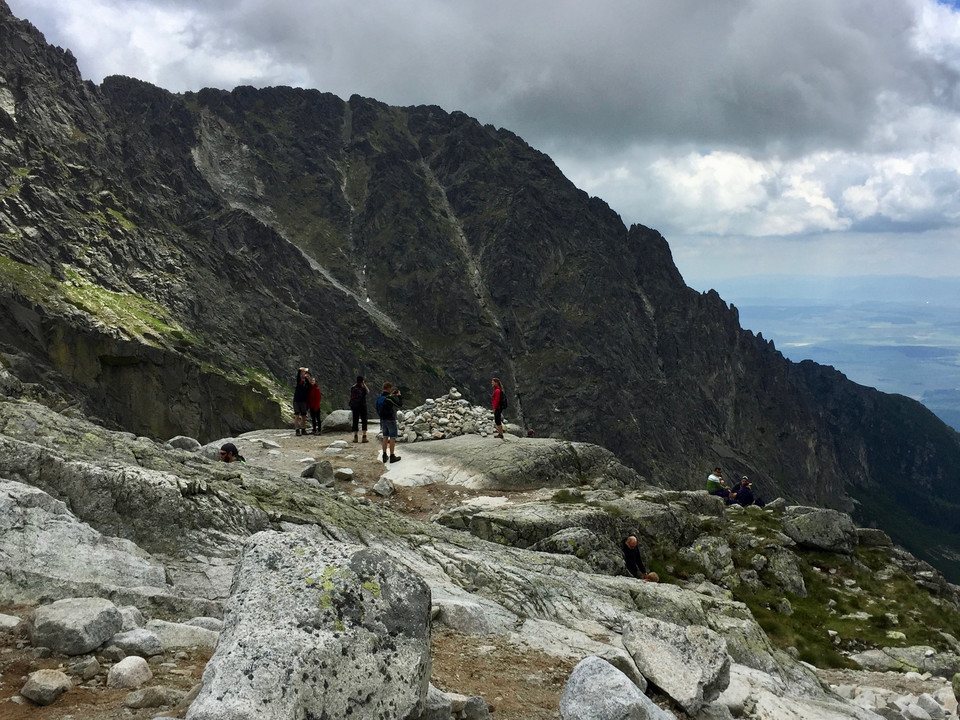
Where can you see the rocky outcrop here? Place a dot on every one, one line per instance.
(316, 578)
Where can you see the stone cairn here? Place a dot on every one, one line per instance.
(446, 416)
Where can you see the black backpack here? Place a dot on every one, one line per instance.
(356, 395)
(503, 399)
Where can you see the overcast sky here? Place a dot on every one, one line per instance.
(759, 136)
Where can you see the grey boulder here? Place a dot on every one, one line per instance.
(596, 690)
(337, 421)
(690, 664)
(75, 626)
(318, 628)
(43, 687)
(820, 529)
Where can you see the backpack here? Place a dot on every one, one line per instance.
(380, 399)
(355, 395)
(503, 399)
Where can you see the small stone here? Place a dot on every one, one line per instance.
(131, 672)
(112, 654)
(345, 474)
(43, 687)
(384, 487)
(151, 697)
(86, 668)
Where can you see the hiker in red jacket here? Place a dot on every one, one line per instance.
(313, 403)
(498, 405)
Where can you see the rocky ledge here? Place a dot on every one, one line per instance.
(329, 598)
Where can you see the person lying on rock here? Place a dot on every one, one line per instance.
(633, 561)
(717, 486)
(229, 453)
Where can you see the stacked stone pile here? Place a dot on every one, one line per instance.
(444, 417)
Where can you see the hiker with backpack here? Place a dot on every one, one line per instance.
(358, 408)
(499, 405)
(387, 404)
(301, 396)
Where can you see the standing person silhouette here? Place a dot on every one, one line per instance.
(358, 408)
(499, 402)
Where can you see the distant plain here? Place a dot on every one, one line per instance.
(897, 334)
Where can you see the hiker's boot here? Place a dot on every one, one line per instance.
(364, 438)
(298, 431)
(355, 438)
(394, 458)
(384, 457)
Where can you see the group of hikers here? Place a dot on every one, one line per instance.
(307, 396)
(741, 494)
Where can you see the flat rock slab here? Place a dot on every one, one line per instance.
(491, 464)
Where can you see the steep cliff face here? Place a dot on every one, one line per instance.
(166, 260)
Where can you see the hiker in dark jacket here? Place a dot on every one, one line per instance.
(301, 396)
(387, 405)
(634, 562)
(745, 494)
(358, 408)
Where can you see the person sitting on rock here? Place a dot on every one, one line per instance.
(634, 562)
(716, 486)
(745, 494)
(229, 453)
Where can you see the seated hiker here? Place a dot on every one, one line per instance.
(633, 561)
(716, 486)
(229, 453)
(745, 494)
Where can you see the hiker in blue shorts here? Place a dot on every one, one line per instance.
(387, 405)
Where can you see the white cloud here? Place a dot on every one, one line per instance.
(820, 120)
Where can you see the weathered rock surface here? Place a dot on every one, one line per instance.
(44, 687)
(75, 625)
(353, 627)
(158, 277)
(480, 464)
(37, 553)
(140, 642)
(181, 636)
(598, 691)
(553, 602)
(821, 529)
(690, 664)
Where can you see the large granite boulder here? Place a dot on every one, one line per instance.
(601, 553)
(596, 690)
(74, 626)
(337, 421)
(46, 552)
(317, 628)
(690, 663)
(820, 529)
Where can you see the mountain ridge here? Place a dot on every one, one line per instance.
(168, 259)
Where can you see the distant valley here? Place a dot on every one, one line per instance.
(897, 334)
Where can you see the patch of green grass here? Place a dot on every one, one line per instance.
(566, 496)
